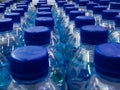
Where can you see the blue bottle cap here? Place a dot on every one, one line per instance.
(104, 2)
(116, 0)
(61, 3)
(37, 35)
(40, 3)
(115, 5)
(14, 16)
(29, 63)
(107, 59)
(117, 21)
(46, 5)
(109, 14)
(84, 20)
(44, 14)
(99, 9)
(90, 5)
(96, 1)
(92, 34)
(68, 5)
(6, 24)
(44, 9)
(25, 7)
(2, 9)
(83, 2)
(18, 10)
(22, 3)
(68, 9)
(75, 13)
(45, 21)
(27, 2)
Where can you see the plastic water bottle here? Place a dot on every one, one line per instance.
(107, 76)
(64, 31)
(17, 26)
(115, 35)
(8, 39)
(97, 12)
(89, 7)
(8, 42)
(22, 14)
(81, 68)
(58, 61)
(35, 75)
(73, 41)
(108, 17)
(16, 22)
(65, 21)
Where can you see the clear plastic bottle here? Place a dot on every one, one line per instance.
(107, 76)
(72, 41)
(29, 67)
(108, 17)
(97, 13)
(64, 28)
(22, 13)
(115, 35)
(57, 64)
(89, 7)
(81, 68)
(7, 37)
(8, 42)
(17, 26)
(49, 22)
(16, 22)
